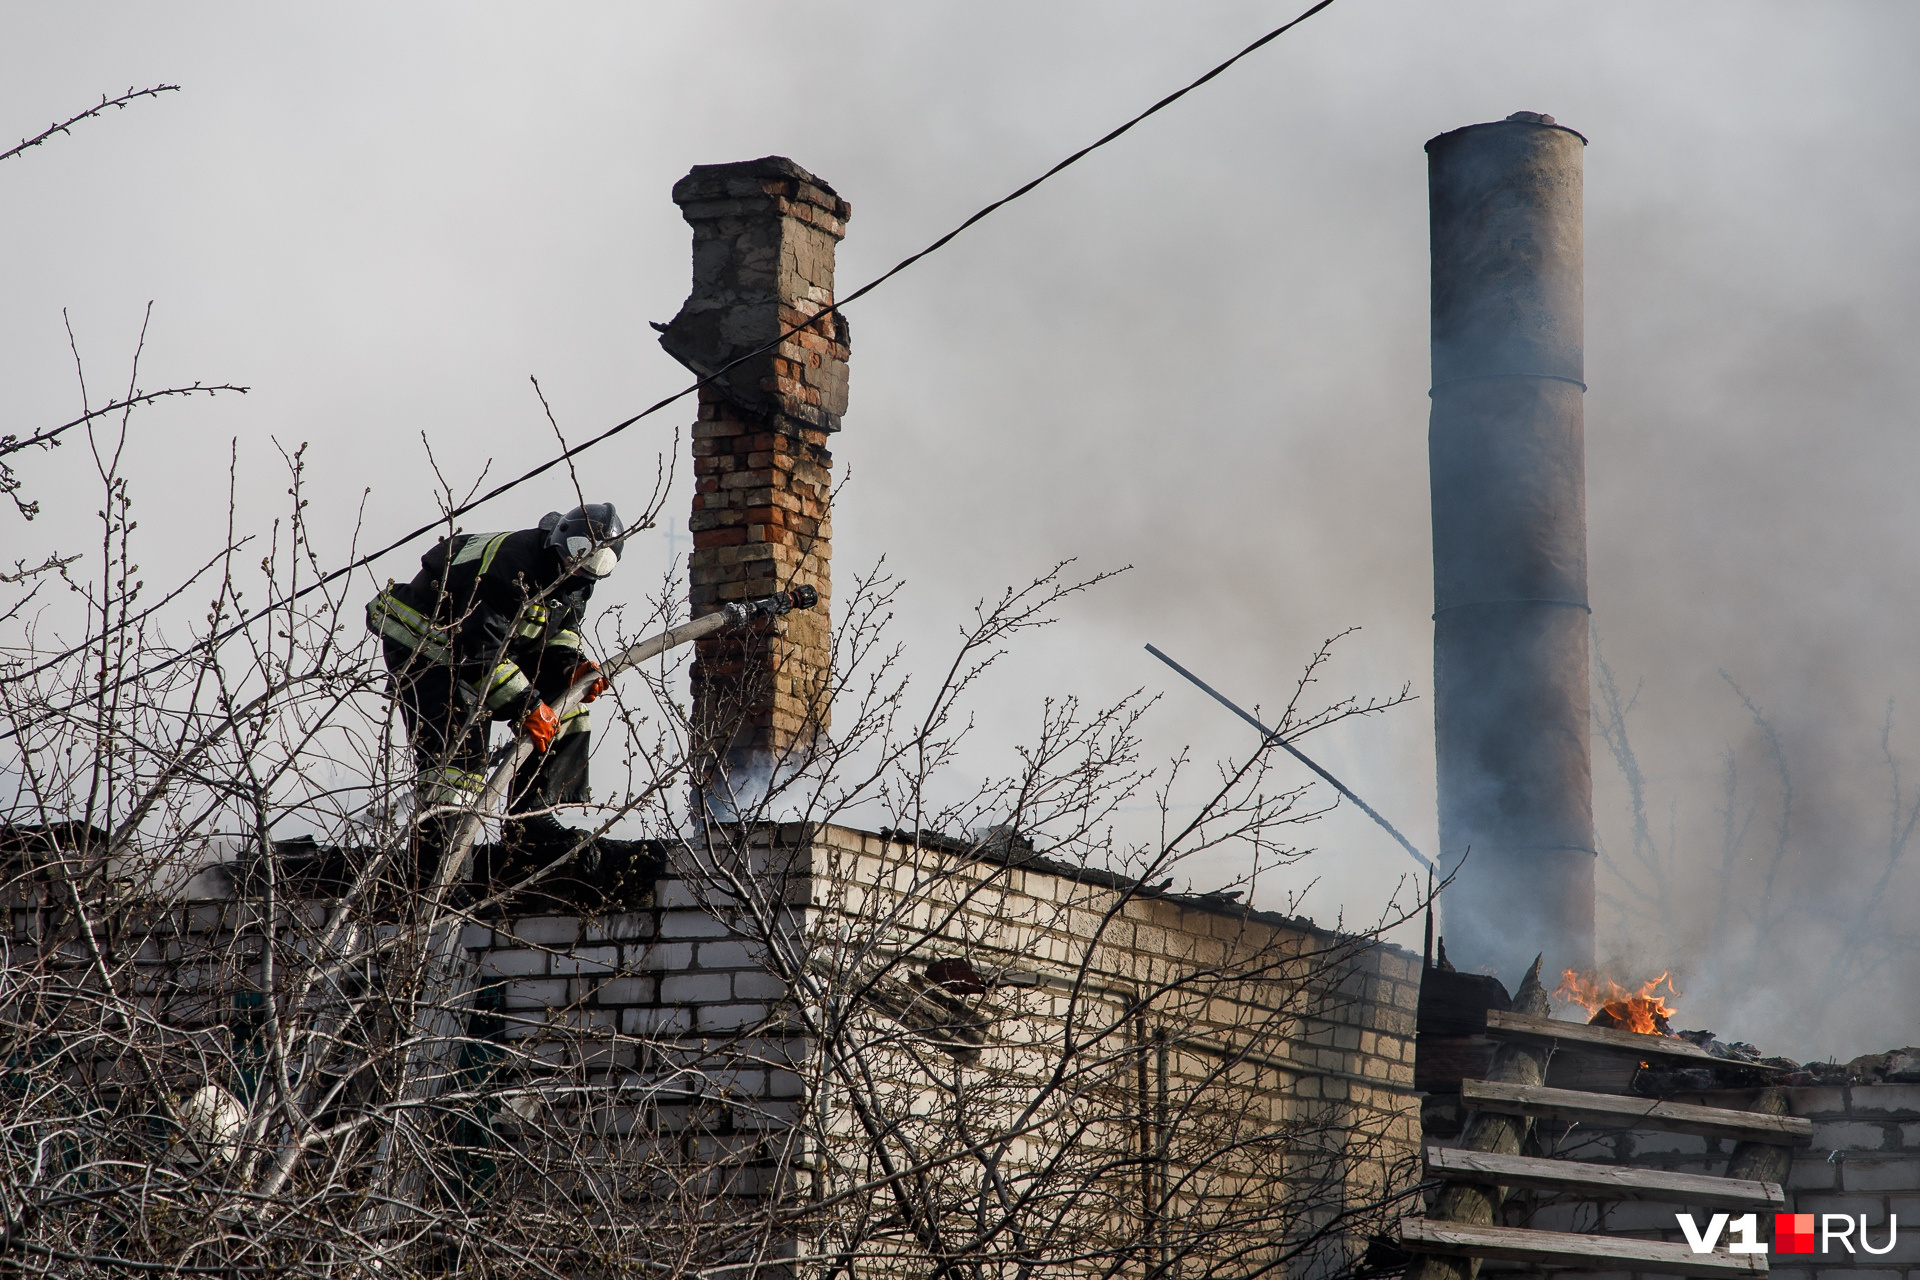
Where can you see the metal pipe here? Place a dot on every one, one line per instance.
(1273, 735)
(1508, 470)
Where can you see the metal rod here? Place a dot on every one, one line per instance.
(1273, 735)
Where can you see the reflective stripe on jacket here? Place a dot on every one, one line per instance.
(482, 547)
(447, 786)
(390, 616)
(506, 685)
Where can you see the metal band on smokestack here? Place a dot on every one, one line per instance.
(1507, 452)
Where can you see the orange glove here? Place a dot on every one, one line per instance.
(594, 690)
(542, 724)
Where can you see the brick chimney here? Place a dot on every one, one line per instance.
(764, 233)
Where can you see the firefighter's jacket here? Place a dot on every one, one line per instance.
(488, 604)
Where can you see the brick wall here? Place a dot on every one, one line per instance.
(1241, 1069)
(1286, 1050)
(1262, 1068)
(1865, 1160)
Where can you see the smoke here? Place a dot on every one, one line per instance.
(1202, 353)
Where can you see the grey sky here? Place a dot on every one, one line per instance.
(1202, 353)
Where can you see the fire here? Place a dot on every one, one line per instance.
(1613, 1005)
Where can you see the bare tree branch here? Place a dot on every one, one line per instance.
(120, 101)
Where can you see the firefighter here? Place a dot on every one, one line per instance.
(489, 630)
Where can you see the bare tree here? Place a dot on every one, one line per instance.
(987, 1037)
(876, 1014)
(1738, 915)
(1646, 875)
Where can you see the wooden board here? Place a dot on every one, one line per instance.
(1579, 1036)
(1567, 1249)
(1603, 1181)
(1610, 1112)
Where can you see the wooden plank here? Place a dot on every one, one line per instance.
(1604, 1181)
(1580, 1036)
(1568, 1249)
(1608, 1111)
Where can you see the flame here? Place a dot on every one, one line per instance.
(1613, 1005)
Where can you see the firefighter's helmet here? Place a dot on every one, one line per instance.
(587, 539)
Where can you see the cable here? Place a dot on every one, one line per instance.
(1076, 157)
(365, 560)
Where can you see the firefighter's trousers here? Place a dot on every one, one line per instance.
(450, 740)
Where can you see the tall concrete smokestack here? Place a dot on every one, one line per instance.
(1506, 444)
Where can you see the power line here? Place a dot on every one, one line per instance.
(456, 512)
(1076, 157)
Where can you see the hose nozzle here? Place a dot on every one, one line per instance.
(742, 612)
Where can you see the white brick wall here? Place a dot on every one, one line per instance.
(679, 1001)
